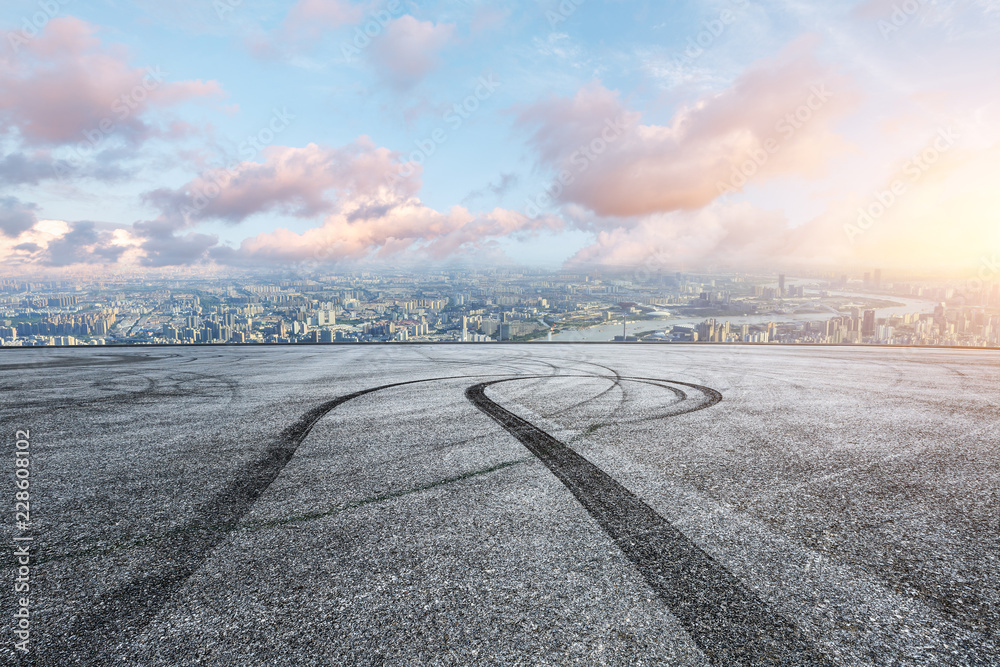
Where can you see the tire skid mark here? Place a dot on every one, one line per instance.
(730, 624)
(616, 383)
(125, 611)
(145, 396)
(60, 363)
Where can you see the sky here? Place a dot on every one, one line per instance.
(579, 134)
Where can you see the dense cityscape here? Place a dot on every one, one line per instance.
(496, 306)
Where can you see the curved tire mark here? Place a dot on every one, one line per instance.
(730, 624)
(125, 611)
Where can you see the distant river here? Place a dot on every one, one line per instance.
(607, 332)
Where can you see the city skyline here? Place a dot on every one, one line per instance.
(493, 306)
(583, 135)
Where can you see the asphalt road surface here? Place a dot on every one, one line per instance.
(489, 504)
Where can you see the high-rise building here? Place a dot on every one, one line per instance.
(868, 324)
(781, 285)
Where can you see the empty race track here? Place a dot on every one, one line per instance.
(499, 505)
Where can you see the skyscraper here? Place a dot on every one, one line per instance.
(868, 324)
(781, 285)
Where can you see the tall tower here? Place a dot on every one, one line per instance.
(781, 285)
(868, 324)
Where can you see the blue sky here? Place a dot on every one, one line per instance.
(696, 90)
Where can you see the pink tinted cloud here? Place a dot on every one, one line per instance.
(724, 234)
(410, 227)
(307, 181)
(943, 218)
(409, 49)
(616, 166)
(64, 83)
(371, 211)
(309, 18)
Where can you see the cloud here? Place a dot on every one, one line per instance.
(369, 212)
(410, 228)
(57, 244)
(723, 234)
(169, 249)
(508, 182)
(941, 217)
(308, 19)
(33, 167)
(780, 113)
(19, 169)
(64, 86)
(16, 216)
(409, 49)
(83, 243)
(304, 182)
(306, 22)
